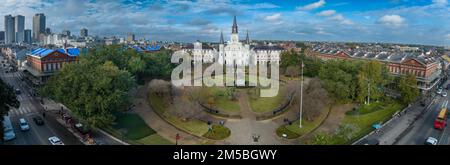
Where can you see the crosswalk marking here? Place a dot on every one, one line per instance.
(20, 111)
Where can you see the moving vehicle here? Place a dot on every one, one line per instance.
(55, 141)
(38, 120)
(24, 124)
(8, 131)
(441, 120)
(431, 141)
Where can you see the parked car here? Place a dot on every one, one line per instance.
(431, 141)
(18, 91)
(444, 94)
(24, 124)
(371, 142)
(38, 120)
(55, 140)
(81, 129)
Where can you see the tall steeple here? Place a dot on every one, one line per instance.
(221, 38)
(234, 27)
(247, 39)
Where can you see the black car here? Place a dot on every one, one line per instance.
(38, 120)
(82, 129)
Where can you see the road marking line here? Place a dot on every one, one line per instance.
(21, 111)
(26, 110)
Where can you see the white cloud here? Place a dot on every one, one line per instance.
(274, 18)
(347, 22)
(312, 6)
(331, 14)
(392, 20)
(338, 17)
(440, 2)
(327, 13)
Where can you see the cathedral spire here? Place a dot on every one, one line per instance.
(221, 38)
(247, 39)
(234, 27)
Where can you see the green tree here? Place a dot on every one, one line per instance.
(8, 100)
(290, 58)
(407, 85)
(91, 90)
(340, 79)
(370, 77)
(158, 65)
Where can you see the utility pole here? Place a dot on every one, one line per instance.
(301, 98)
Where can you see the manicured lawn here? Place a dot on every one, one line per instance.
(223, 102)
(365, 109)
(294, 131)
(154, 139)
(132, 126)
(218, 132)
(365, 121)
(266, 104)
(193, 126)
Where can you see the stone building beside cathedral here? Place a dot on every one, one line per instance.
(234, 51)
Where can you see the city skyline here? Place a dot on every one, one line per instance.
(393, 21)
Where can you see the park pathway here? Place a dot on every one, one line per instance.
(153, 120)
(244, 130)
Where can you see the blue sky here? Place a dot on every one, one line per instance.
(398, 21)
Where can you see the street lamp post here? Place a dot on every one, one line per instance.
(301, 99)
(368, 96)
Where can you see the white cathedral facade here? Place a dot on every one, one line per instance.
(234, 52)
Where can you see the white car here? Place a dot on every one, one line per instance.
(431, 141)
(55, 140)
(439, 91)
(444, 94)
(24, 124)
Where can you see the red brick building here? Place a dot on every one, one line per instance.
(42, 63)
(426, 69)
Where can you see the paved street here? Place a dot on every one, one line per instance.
(29, 108)
(414, 126)
(423, 127)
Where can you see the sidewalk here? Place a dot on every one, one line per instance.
(392, 130)
(99, 136)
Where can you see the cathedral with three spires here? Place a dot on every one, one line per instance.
(234, 52)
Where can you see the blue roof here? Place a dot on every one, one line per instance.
(42, 52)
(70, 51)
(147, 48)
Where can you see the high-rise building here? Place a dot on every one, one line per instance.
(84, 32)
(19, 27)
(66, 33)
(130, 37)
(38, 25)
(10, 33)
(2, 36)
(27, 36)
